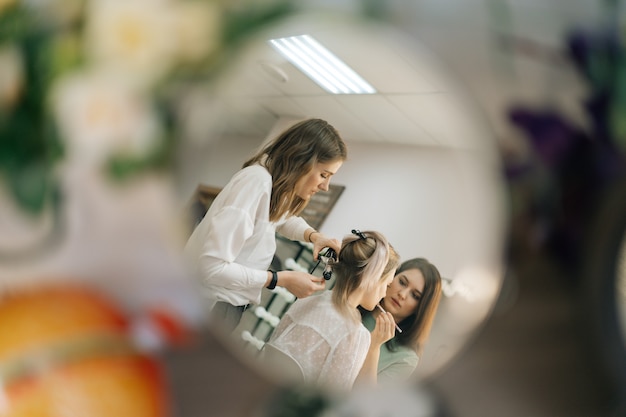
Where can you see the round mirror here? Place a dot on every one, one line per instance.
(422, 166)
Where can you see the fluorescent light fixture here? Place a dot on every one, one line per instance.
(317, 62)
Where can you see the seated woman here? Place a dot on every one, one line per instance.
(323, 333)
(412, 299)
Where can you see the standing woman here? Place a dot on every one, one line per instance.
(323, 334)
(412, 299)
(233, 246)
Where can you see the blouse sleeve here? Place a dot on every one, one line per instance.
(293, 228)
(303, 343)
(228, 231)
(345, 361)
(400, 370)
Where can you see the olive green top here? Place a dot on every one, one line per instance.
(392, 366)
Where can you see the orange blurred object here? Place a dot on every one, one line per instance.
(65, 352)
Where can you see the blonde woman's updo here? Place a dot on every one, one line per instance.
(364, 259)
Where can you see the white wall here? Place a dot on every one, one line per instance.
(418, 197)
(429, 202)
(213, 164)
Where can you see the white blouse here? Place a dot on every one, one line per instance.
(232, 247)
(329, 346)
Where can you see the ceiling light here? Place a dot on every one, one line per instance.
(321, 65)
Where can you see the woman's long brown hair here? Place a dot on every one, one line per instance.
(416, 327)
(291, 155)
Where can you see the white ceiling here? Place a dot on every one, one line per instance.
(417, 102)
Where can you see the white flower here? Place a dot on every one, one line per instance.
(135, 37)
(197, 27)
(100, 114)
(11, 75)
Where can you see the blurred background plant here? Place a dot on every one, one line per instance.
(568, 191)
(92, 96)
(573, 163)
(95, 81)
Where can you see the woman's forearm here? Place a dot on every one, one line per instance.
(369, 370)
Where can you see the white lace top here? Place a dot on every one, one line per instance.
(329, 346)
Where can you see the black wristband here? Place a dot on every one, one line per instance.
(274, 280)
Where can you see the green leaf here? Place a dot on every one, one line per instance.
(14, 23)
(241, 25)
(31, 186)
(121, 166)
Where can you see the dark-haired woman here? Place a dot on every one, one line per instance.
(412, 299)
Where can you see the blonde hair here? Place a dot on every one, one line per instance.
(364, 259)
(291, 155)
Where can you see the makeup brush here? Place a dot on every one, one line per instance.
(383, 310)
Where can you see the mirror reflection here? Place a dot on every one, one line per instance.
(421, 170)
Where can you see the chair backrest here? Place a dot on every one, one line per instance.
(281, 364)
